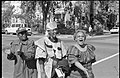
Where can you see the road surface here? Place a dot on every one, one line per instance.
(107, 65)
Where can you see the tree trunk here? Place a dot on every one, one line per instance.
(45, 10)
(92, 13)
(44, 21)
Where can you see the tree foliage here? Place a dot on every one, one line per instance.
(45, 9)
(6, 15)
(29, 8)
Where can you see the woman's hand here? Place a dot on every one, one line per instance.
(7, 51)
(54, 62)
(79, 65)
(85, 71)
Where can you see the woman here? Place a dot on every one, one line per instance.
(51, 50)
(22, 51)
(81, 56)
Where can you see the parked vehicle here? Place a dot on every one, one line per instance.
(106, 31)
(114, 30)
(14, 27)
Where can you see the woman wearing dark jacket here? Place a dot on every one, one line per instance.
(22, 51)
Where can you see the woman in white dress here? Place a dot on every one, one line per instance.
(49, 52)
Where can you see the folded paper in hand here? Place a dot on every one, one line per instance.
(59, 72)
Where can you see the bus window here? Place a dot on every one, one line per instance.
(18, 25)
(13, 25)
(25, 25)
(21, 25)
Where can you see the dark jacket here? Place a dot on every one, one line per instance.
(25, 64)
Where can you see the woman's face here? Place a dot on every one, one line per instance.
(22, 36)
(52, 33)
(80, 38)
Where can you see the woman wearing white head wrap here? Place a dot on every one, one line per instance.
(50, 26)
(51, 49)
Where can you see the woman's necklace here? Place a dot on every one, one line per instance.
(83, 47)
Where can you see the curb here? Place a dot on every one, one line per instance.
(88, 37)
(71, 36)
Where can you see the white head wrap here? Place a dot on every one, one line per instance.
(51, 26)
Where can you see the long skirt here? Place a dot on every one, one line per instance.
(77, 73)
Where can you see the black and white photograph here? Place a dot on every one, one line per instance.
(60, 39)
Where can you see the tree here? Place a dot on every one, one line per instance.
(77, 11)
(91, 13)
(29, 11)
(6, 15)
(28, 6)
(45, 9)
(111, 20)
(108, 19)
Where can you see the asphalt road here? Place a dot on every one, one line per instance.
(105, 47)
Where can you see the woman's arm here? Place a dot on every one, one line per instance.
(11, 56)
(79, 65)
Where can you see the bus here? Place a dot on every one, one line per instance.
(14, 27)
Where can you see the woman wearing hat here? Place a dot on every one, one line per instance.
(22, 51)
(81, 56)
(50, 50)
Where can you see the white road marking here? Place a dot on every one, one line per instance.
(105, 59)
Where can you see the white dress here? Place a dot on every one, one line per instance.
(48, 49)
